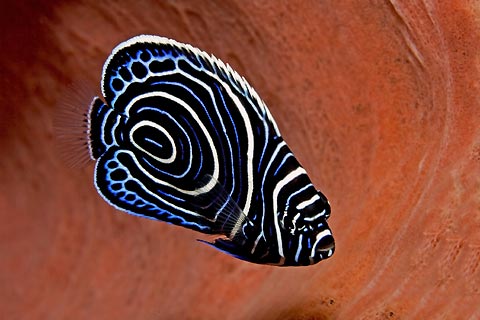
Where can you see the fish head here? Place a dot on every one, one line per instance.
(306, 236)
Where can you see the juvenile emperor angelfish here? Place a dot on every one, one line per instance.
(181, 137)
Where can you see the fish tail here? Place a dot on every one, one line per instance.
(71, 124)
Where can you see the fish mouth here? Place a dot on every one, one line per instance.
(326, 246)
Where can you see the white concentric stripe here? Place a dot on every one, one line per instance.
(296, 193)
(315, 217)
(214, 103)
(270, 118)
(224, 67)
(319, 237)
(294, 222)
(159, 128)
(154, 195)
(246, 121)
(267, 169)
(282, 183)
(112, 129)
(190, 153)
(182, 103)
(306, 203)
(227, 137)
(248, 128)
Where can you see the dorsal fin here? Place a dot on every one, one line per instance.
(148, 49)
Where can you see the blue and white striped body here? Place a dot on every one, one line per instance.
(182, 138)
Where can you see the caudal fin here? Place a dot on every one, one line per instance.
(72, 124)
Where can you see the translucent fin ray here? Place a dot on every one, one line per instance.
(229, 217)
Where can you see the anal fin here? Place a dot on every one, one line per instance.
(229, 217)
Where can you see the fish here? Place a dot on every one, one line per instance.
(179, 136)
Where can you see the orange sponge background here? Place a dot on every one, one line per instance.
(379, 101)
